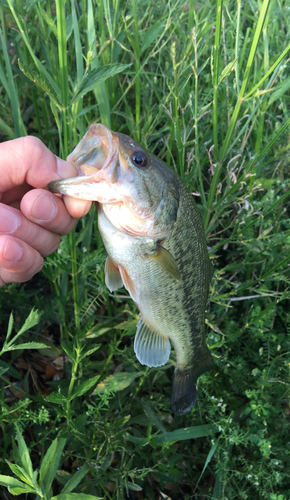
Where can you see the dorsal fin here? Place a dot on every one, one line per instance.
(151, 348)
(113, 279)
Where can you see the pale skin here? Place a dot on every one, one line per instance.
(31, 218)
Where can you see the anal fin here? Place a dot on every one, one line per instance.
(113, 279)
(151, 348)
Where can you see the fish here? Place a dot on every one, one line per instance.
(155, 240)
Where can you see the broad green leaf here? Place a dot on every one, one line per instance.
(96, 76)
(130, 325)
(188, 433)
(227, 70)
(151, 34)
(24, 453)
(56, 397)
(85, 386)
(117, 382)
(133, 487)
(96, 331)
(26, 345)
(152, 416)
(51, 471)
(36, 77)
(11, 370)
(134, 439)
(62, 476)
(89, 352)
(47, 459)
(11, 482)
(20, 490)
(75, 496)
(30, 322)
(75, 479)
(85, 111)
(280, 91)
(20, 473)
(3, 370)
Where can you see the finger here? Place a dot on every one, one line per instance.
(77, 208)
(14, 195)
(18, 261)
(28, 160)
(14, 223)
(49, 211)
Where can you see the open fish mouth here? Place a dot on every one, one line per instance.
(96, 159)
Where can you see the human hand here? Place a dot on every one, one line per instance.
(32, 220)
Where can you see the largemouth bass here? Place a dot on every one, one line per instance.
(156, 246)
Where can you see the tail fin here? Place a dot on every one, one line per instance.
(183, 392)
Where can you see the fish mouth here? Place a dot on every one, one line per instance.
(97, 159)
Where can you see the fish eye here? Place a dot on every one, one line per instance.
(139, 158)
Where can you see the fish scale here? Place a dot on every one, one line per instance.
(153, 233)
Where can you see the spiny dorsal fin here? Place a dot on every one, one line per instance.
(164, 258)
(151, 348)
(113, 279)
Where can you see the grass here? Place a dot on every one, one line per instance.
(206, 87)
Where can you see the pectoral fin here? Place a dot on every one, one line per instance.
(113, 279)
(164, 259)
(151, 348)
(129, 284)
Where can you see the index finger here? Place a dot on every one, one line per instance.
(28, 160)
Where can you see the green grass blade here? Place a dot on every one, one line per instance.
(37, 63)
(96, 77)
(78, 45)
(188, 433)
(219, 7)
(75, 480)
(268, 73)
(101, 93)
(12, 91)
(256, 37)
(234, 117)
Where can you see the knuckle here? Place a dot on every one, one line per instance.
(34, 147)
(32, 143)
